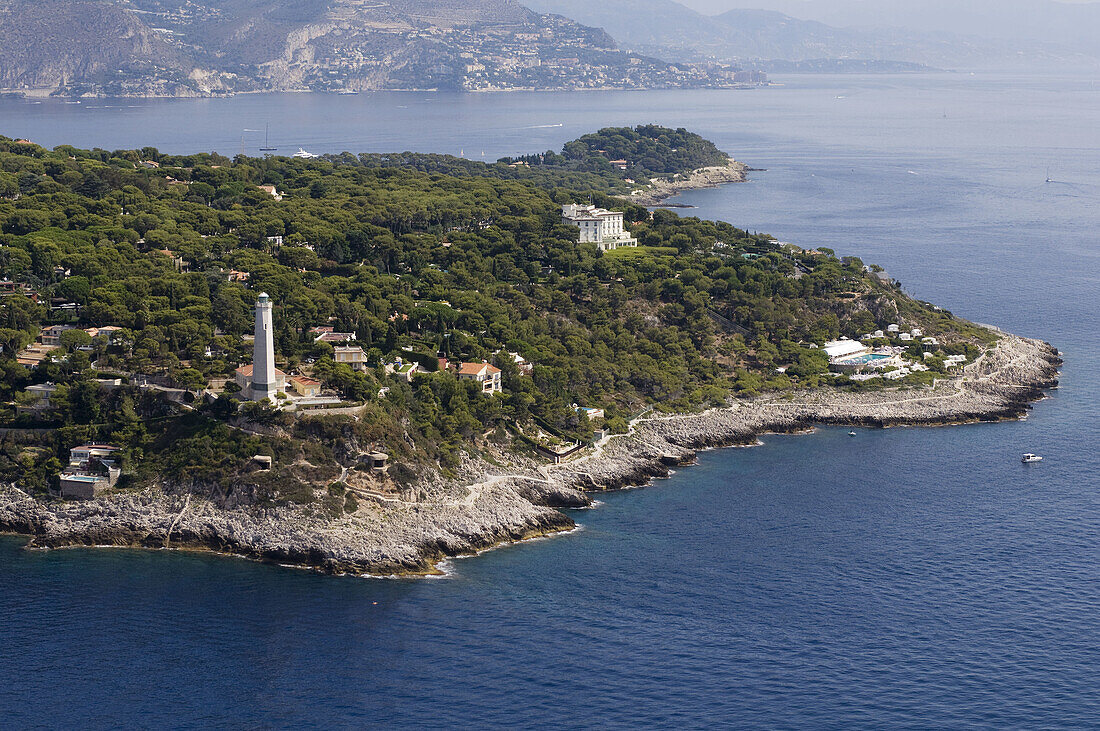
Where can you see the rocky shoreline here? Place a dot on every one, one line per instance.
(391, 536)
(712, 177)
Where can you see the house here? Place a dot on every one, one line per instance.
(484, 373)
(599, 226)
(40, 399)
(525, 367)
(401, 369)
(333, 337)
(352, 356)
(243, 377)
(32, 355)
(92, 467)
(591, 413)
(271, 190)
(51, 334)
(892, 328)
(236, 276)
(9, 288)
(305, 386)
(905, 337)
(103, 333)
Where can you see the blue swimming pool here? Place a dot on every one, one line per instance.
(865, 359)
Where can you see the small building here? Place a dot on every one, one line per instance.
(525, 366)
(32, 355)
(484, 373)
(86, 452)
(893, 328)
(906, 337)
(378, 461)
(51, 334)
(102, 333)
(243, 377)
(9, 288)
(40, 399)
(350, 355)
(916, 332)
(79, 486)
(305, 386)
(334, 337)
(401, 369)
(599, 226)
(844, 348)
(591, 413)
(262, 461)
(930, 341)
(271, 191)
(92, 468)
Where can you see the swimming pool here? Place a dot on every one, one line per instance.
(865, 359)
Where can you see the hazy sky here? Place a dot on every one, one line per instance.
(712, 7)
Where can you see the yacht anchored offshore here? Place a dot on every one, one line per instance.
(303, 153)
(1029, 457)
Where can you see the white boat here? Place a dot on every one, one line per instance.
(851, 433)
(1029, 457)
(307, 155)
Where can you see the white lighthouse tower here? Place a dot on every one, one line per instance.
(264, 381)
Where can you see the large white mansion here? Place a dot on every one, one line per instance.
(599, 226)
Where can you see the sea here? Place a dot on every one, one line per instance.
(901, 578)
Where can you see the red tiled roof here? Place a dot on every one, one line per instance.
(474, 369)
(247, 370)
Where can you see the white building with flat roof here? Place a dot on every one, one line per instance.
(598, 226)
(844, 348)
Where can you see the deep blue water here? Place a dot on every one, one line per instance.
(917, 578)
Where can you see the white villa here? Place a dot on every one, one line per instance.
(598, 226)
(483, 373)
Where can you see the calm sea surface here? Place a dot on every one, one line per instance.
(917, 578)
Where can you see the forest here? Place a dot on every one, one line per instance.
(426, 257)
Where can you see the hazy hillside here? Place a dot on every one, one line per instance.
(194, 47)
(669, 28)
(1072, 26)
(47, 43)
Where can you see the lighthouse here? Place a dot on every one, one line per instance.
(264, 381)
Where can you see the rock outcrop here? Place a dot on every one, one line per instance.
(712, 177)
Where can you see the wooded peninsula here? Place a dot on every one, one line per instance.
(455, 362)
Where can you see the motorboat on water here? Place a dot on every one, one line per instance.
(852, 433)
(304, 154)
(1029, 457)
